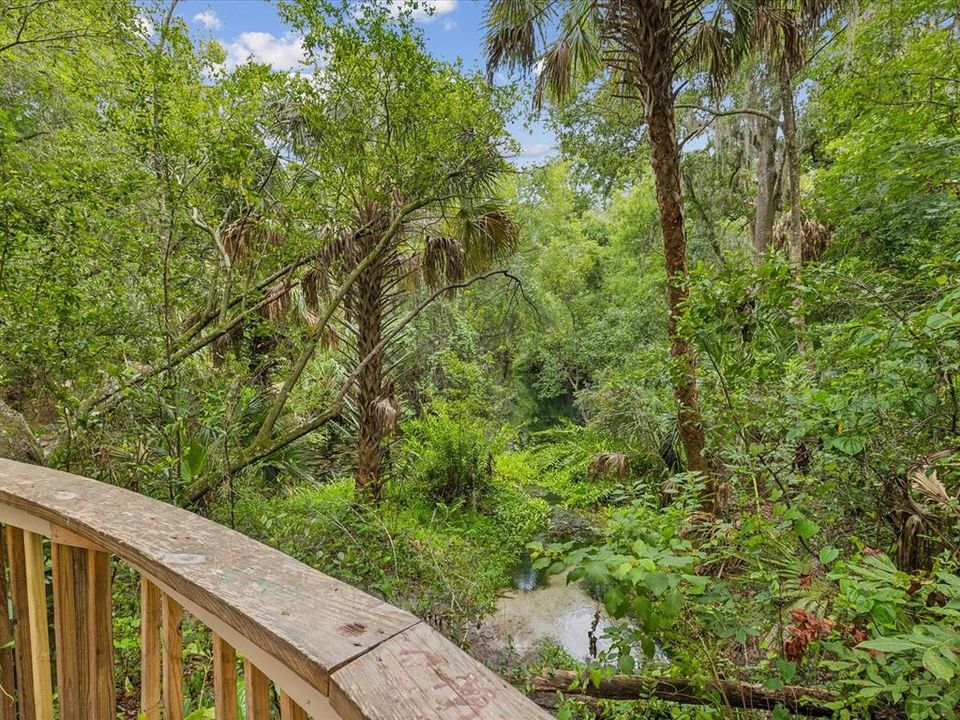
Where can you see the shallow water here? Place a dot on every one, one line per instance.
(553, 611)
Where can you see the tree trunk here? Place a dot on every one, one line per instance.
(665, 159)
(733, 693)
(367, 307)
(793, 173)
(766, 203)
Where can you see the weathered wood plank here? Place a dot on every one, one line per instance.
(289, 710)
(21, 622)
(172, 642)
(224, 679)
(83, 628)
(309, 623)
(420, 674)
(38, 624)
(8, 705)
(256, 688)
(71, 630)
(150, 663)
(103, 697)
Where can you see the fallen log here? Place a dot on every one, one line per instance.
(733, 693)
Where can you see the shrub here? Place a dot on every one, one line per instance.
(449, 456)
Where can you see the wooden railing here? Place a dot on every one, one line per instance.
(330, 650)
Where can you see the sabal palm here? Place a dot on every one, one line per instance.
(472, 233)
(785, 29)
(641, 47)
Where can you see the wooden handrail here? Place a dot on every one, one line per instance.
(331, 650)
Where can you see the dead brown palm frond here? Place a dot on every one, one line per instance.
(926, 483)
(779, 33)
(225, 343)
(609, 464)
(276, 303)
(385, 411)
(315, 285)
(235, 237)
(925, 480)
(339, 250)
(329, 337)
(815, 236)
(249, 227)
(442, 261)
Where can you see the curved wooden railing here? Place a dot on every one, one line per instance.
(331, 650)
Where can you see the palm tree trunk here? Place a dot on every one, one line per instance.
(665, 159)
(368, 307)
(793, 173)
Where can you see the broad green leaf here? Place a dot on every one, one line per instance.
(890, 644)
(672, 603)
(849, 444)
(940, 666)
(615, 602)
(806, 528)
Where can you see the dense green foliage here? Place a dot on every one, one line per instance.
(186, 254)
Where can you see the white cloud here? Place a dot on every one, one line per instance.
(449, 25)
(533, 151)
(144, 25)
(422, 13)
(209, 19)
(281, 53)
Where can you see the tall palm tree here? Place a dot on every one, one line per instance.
(786, 30)
(644, 46)
(431, 252)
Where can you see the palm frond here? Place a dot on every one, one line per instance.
(777, 31)
(486, 232)
(442, 261)
(513, 31)
(574, 57)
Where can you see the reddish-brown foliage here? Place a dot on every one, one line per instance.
(806, 628)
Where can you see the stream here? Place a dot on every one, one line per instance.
(543, 610)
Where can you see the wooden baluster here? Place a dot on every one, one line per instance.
(150, 664)
(70, 629)
(289, 710)
(8, 706)
(84, 633)
(172, 658)
(21, 622)
(224, 679)
(103, 698)
(36, 694)
(257, 691)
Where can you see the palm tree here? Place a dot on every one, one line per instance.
(644, 46)
(785, 30)
(430, 252)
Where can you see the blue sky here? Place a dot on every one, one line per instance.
(252, 28)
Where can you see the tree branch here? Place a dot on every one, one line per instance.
(725, 113)
(800, 700)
